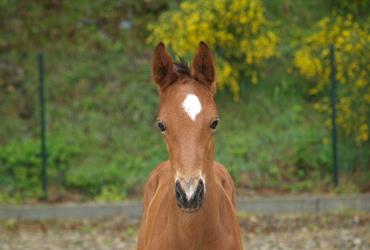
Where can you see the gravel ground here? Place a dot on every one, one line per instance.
(335, 231)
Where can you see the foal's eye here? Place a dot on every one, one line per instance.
(161, 126)
(214, 124)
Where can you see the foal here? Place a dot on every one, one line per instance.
(189, 200)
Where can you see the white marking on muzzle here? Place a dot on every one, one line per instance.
(188, 186)
(192, 106)
(189, 191)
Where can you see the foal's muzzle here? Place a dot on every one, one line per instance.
(186, 199)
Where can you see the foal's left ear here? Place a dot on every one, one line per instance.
(202, 68)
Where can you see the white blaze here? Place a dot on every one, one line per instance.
(192, 106)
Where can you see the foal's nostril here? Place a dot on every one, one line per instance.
(199, 194)
(180, 195)
(178, 190)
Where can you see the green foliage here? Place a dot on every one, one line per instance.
(64, 29)
(277, 146)
(20, 167)
(360, 9)
(84, 25)
(351, 40)
(101, 107)
(111, 193)
(238, 31)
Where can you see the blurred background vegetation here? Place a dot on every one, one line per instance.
(274, 91)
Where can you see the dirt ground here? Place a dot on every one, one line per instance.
(334, 231)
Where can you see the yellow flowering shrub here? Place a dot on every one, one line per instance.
(235, 30)
(352, 60)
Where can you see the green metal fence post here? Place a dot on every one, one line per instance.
(44, 159)
(334, 115)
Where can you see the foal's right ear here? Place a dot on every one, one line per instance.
(162, 67)
(203, 68)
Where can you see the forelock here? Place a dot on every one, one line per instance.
(181, 68)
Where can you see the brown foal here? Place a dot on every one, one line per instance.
(189, 200)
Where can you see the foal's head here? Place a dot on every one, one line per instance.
(187, 119)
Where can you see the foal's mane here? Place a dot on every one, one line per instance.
(181, 67)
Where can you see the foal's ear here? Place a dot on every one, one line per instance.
(162, 67)
(202, 68)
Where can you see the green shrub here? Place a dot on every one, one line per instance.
(20, 166)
